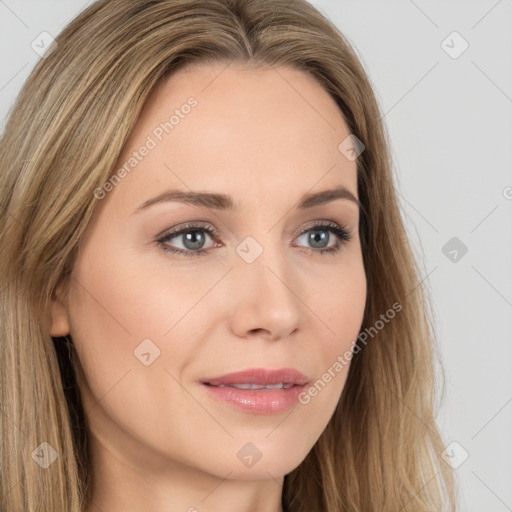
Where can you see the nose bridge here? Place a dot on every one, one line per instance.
(270, 270)
(264, 257)
(266, 288)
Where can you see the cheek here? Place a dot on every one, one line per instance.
(113, 308)
(341, 305)
(130, 322)
(131, 299)
(339, 311)
(131, 366)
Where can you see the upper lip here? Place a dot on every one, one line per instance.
(260, 376)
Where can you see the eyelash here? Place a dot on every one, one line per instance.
(341, 232)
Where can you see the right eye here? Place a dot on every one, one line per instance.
(193, 239)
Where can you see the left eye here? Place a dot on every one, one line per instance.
(193, 239)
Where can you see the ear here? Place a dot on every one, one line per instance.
(59, 315)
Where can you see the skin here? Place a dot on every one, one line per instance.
(159, 441)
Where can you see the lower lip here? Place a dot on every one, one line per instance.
(258, 401)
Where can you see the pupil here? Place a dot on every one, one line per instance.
(195, 239)
(192, 237)
(319, 237)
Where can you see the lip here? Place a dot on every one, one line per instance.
(260, 376)
(258, 401)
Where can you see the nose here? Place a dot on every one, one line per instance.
(267, 298)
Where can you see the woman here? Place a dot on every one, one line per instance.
(208, 297)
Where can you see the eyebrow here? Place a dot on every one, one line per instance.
(225, 202)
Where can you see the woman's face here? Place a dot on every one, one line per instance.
(248, 288)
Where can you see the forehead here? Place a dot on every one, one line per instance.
(249, 131)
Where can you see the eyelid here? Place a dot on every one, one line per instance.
(341, 231)
(189, 226)
(180, 229)
(320, 223)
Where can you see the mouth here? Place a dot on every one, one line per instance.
(280, 385)
(258, 390)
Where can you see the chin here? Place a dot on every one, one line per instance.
(272, 462)
(261, 470)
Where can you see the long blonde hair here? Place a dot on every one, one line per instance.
(381, 450)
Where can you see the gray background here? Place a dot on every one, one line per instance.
(450, 122)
